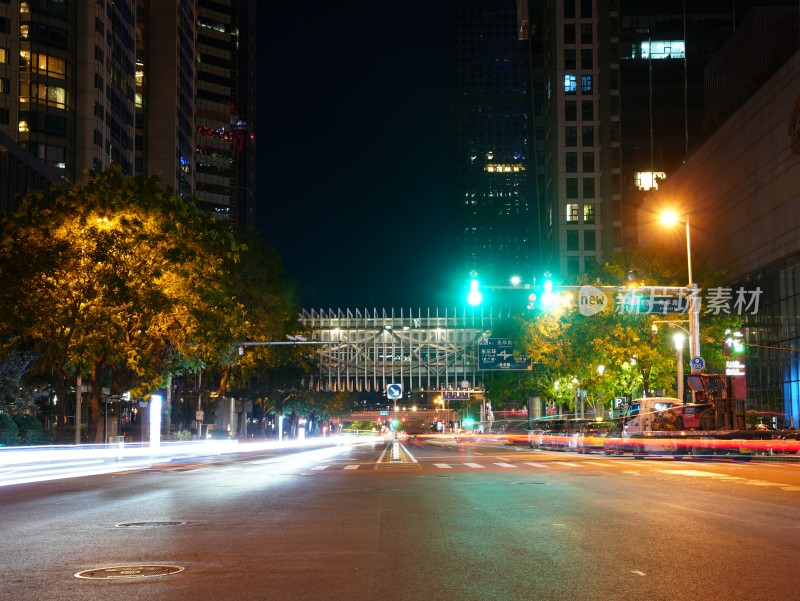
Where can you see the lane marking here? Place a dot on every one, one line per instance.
(570, 464)
(476, 465)
(443, 466)
(534, 464)
(506, 464)
(351, 467)
(638, 572)
(319, 467)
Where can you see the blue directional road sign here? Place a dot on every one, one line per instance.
(394, 391)
(697, 363)
(498, 354)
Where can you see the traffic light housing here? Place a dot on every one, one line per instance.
(548, 296)
(474, 296)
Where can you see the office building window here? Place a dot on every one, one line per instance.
(586, 33)
(569, 58)
(587, 110)
(586, 59)
(586, 84)
(571, 162)
(573, 266)
(3, 55)
(570, 84)
(570, 110)
(569, 34)
(3, 116)
(571, 187)
(569, 9)
(586, 9)
(588, 212)
(570, 135)
(572, 239)
(587, 137)
(572, 213)
(588, 187)
(4, 85)
(588, 162)
(589, 240)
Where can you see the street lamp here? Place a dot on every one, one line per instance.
(671, 218)
(678, 337)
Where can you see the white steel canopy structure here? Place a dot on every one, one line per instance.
(423, 350)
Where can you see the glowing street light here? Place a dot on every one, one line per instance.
(671, 218)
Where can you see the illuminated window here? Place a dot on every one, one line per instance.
(570, 84)
(647, 180)
(23, 126)
(656, 50)
(42, 94)
(572, 213)
(588, 212)
(42, 63)
(4, 85)
(23, 31)
(586, 84)
(3, 55)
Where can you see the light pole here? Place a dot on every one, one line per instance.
(670, 218)
(678, 338)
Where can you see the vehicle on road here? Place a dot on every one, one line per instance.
(712, 423)
(591, 436)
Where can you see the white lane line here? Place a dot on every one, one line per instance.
(637, 572)
(405, 448)
(476, 465)
(570, 464)
(319, 467)
(534, 464)
(351, 467)
(505, 464)
(443, 466)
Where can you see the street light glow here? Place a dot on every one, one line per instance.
(669, 217)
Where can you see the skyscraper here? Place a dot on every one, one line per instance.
(161, 87)
(494, 204)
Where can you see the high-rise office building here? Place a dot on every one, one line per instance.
(161, 87)
(494, 202)
(581, 197)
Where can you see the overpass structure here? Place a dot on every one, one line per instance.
(424, 349)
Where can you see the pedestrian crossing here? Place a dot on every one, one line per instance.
(497, 465)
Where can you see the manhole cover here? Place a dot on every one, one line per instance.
(149, 524)
(116, 572)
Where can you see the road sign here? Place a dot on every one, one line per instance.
(498, 354)
(661, 304)
(394, 391)
(697, 363)
(455, 395)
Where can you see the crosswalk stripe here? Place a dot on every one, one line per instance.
(443, 466)
(569, 464)
(319, 467)
(351, 467)
(534, 464)
(475, 465)
(506, 464)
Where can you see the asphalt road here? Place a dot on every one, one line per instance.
(450, 521)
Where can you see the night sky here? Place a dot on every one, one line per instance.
(354, 150)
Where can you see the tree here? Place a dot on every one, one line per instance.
(113, 274)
